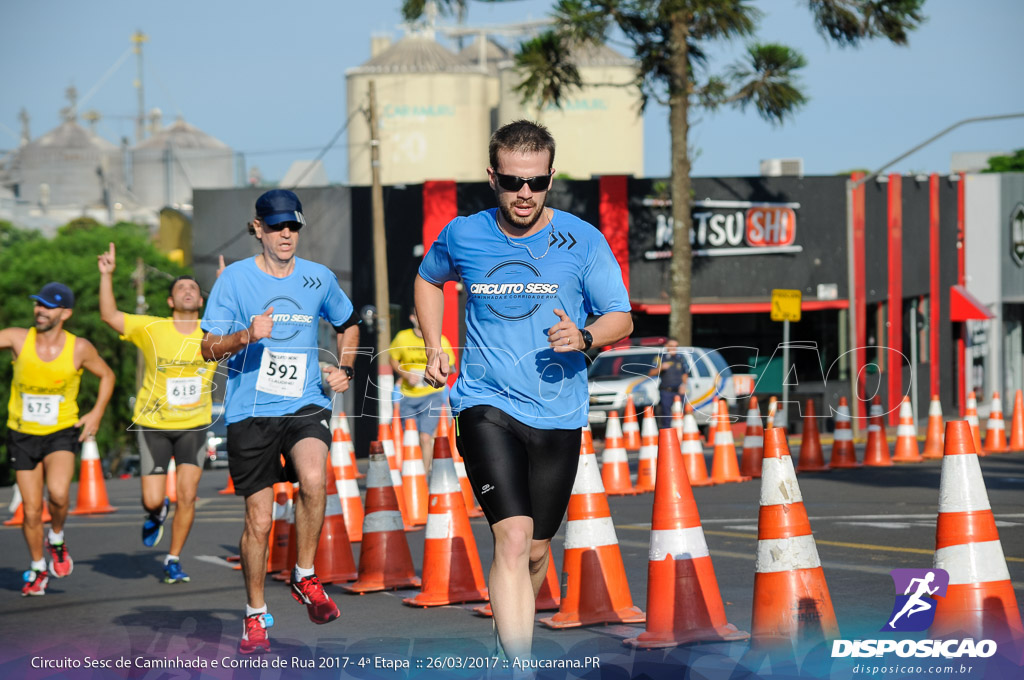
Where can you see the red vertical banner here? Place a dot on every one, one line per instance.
(440, 206)
(614, 213)
(895, 335)
(934, 305)
(961, 279)
(859, 310)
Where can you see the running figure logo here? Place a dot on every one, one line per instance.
(914, 610)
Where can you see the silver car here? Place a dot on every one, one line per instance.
(634, 370)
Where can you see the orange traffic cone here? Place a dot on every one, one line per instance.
(614, 463)
(933, 441)
(646, 468)
(228, 490)
(812, 459)
(971, 416)
(348, 488)
(753, 442)
(843, 453)
(277, 559)
(677, 416)
(693, 451)
(385, 562)
(1017, 423)
(92, 490)
(876, 454)
(548, 598)
(451, 563)
(906, 436)
(473, 509)
(333, 562)
(980, 601)
(773, 407)
(791, 598)
(19, 510)
(683, 601)
(414, 475)
(396, 428)
(594, 584)
(630, 426)
(391, 450)
(995, 429)
(724, 466)
(342, 423)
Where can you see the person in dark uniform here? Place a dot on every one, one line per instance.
(672, 371)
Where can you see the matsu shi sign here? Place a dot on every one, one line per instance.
(729, 228)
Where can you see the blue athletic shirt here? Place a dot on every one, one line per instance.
(513, 286)
(280, 374)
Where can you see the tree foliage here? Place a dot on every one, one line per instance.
(1012, 163)
(670, 41)
(28, 261)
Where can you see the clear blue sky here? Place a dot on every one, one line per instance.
(268, 76)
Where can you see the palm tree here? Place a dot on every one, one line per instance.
(669, 39)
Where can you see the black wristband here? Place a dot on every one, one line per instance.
(348, 371)
(588, 339)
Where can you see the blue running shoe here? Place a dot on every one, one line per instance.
(174, 574)
(153, 527)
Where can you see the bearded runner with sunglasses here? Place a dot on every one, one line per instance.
(533, 275)
(262, 316)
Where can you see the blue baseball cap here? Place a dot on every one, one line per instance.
(54, 295)
(279, 205)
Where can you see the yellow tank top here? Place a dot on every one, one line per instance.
(44, 394)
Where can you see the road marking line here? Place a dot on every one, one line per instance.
(834, 544)
(219, 561)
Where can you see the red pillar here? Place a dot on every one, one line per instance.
(440, 206)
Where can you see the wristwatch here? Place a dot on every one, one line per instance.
(348, 371)
(588, 339)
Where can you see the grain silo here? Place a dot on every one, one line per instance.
(167, 166)
(69, 166)
(599, 129)
(434, 114)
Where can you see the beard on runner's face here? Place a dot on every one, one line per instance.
(45, 321)
(508, 202)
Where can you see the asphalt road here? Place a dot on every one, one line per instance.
(114, 609)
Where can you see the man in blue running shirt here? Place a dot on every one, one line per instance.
(534, 275)
(262, 317)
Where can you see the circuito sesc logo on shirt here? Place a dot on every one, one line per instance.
(288, 316)
(513, 290)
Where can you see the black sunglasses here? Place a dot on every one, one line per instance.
(514, 183)
(294, 226)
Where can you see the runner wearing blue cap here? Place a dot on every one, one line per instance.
(262, 318)
(44, 427)
(533, 277)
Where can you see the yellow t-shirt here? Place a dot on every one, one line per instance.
(177, 386)
(411, 354)
(44, 394)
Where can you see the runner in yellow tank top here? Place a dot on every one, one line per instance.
(172, 408)
(44, 427)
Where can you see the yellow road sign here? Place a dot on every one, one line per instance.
(785, 305)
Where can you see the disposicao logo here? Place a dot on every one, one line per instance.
(914, 610)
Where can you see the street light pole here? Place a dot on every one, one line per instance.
(851, 186)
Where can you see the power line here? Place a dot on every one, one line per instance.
(327, 148)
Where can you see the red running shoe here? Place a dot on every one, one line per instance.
(35, 583)
(254, 634)
(60, 562)
(319, 605)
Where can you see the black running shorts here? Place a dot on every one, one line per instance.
(157, 447)
(255, 446)
(518, 470)
(25, 451)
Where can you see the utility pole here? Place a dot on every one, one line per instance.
(386, 380)
(140, 121)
